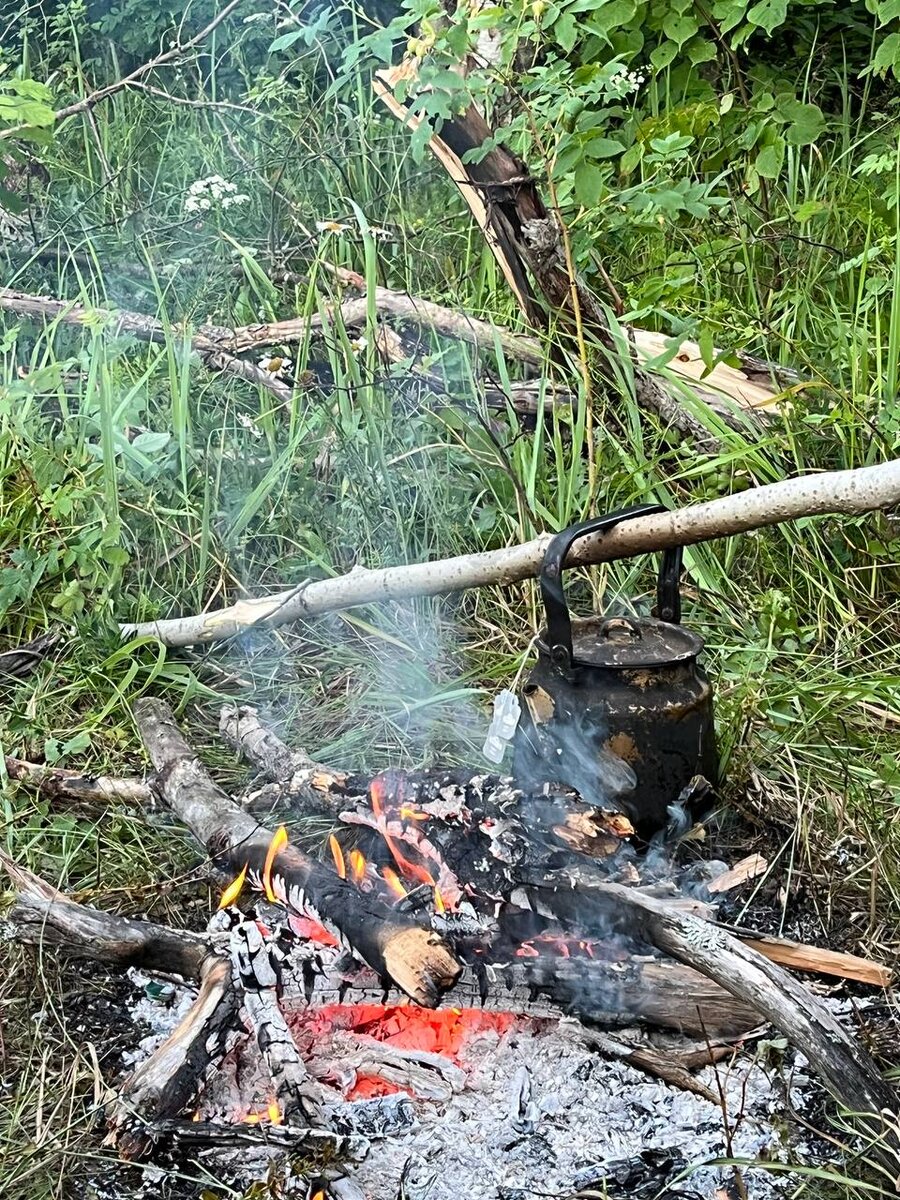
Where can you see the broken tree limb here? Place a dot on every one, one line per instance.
(239, 724)
(842, 1063)
(865, 489)
(77, 785)
(44, 916)
(528, 244)
(208, 341)
(397, 948)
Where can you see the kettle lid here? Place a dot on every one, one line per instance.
(623, 643)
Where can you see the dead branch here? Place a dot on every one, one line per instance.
(865, 489)
(208, 341)
(44, 916)
(175, 54)
(76, 785)
(843, 1064)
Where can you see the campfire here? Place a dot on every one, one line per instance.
(426, 1011)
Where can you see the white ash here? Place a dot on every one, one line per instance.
(535, 1110)
(585, 1111)
(157, 1016)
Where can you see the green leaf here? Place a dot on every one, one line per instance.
(700, 50)
(565, 31)
(768, 14)
(729, 14)
(770, 159)
(707, 347)
(602, 147)
(680, 29)
(589, 184)
(662, 55)
(887, 56)
(808, 209)
(631, 158)
(888, 10)
(806, 122)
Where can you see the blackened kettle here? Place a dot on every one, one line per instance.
(616, 707)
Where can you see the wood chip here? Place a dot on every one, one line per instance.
(748, 868)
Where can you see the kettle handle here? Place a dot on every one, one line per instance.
(559, 623)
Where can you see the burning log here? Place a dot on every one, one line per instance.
(864, 489)
(397, 948)
(257, 963)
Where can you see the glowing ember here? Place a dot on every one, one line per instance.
(392, 879)
(278, 842)
(439, 905)
(444, 1031)
(234, 889)
(562, 947)
(311, 931)
(357, 865)
(338, 855)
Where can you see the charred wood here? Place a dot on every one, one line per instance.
(397, 948)
(166, 1082)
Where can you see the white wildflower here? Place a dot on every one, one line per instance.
(337, 227)
(250, 425)
(275, 364)
(358, 345)
(213, 192)
(379, 234)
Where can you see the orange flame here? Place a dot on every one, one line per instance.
(376, 795)
(357, 865)
(274, 1113)
(252, 1119)
(234, 889)
(392, 879)
(439, 905)
(320, 1195)
(278, 842)
(338, 855)
(411, 814)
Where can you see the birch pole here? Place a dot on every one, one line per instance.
(865, 489)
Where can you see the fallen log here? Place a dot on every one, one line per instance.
(864, 489)
(397, 948)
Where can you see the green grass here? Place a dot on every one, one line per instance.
(240, 495)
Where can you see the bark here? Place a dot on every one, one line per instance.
(857, 491)
(842, 1063)
(398, 949)
(44, 916)
(76, 785)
